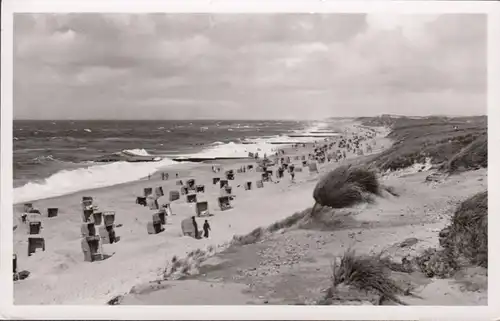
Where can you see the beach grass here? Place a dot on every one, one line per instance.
(467, 235)
(459, 142)
(258, 234)
(346, 186)
(472, 156)
(368, 274)
(463, 242)
(178, 268)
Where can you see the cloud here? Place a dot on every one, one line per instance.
(152, 66)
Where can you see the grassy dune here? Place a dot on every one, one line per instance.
(453, 144)
(463, 243)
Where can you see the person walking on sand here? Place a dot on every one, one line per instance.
(206, 228)
(195, 225)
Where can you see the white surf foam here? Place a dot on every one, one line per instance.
(69, 181)
(280, 139)
(233, 150)
(137, 151)
(261, 145)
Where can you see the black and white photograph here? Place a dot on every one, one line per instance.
(229, 158)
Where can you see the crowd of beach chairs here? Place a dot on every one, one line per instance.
(98, 227)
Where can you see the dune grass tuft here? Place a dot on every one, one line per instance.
(346, 186)
(366, 273)
(250, 238)
(257, 234)
(467, 235)
(464, 241)
(180, 267)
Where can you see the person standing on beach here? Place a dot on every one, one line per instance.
(196, 232)
(206, 228)
(280, 172)
(292, 172)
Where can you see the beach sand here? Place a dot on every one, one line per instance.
(59, 275)
(294, 266)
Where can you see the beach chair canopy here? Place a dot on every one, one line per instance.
(202, 208)
(148, 191)
(187, 226)
(191, 198)
(224, 202)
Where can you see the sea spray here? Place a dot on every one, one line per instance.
(137, 151)
(69, 181)
(262, 145)
(233, 150)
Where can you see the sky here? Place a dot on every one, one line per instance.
(247, 66)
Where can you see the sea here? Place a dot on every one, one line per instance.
(53, 158)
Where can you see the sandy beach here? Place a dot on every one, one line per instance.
(60, 276)
(293, 264)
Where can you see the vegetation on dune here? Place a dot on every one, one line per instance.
(178, 268)
(258, 233)
(437, 263)
(345, 186)
(250, 238)
(473, 156)
(459, 142)
(368, 274)
(342, 187)
(463, 242)
(467, 235)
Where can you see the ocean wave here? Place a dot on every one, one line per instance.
(74, 180)
(280, 139)
(234, 150)
(262, 145)
(137, 151)
(42, 159)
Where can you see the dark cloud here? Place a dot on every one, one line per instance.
(247, 65)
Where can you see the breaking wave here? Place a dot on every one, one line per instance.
(137, 151)
(95, 176)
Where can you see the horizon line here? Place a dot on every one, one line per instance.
(251, 119)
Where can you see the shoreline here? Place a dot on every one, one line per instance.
(60, 276)
(290, 261)
(177, 159)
